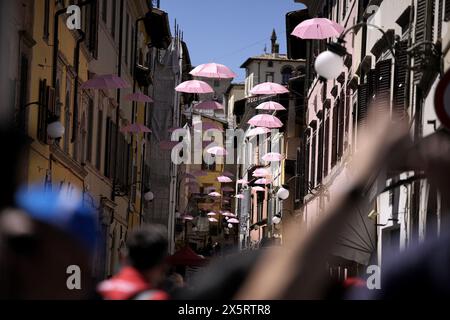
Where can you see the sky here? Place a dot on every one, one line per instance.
(230, 31)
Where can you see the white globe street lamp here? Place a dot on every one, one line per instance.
(149, 196)
(55, 130)
(276, 219)
(283, 193)
(330, 64)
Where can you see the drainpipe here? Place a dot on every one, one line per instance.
(77, 77)
(119, 73)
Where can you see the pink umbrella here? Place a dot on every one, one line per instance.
(240, 196)
(139, 97)
(105, 82)
(257, 131)
(212, 214)
(268, 88)
(233, 220)
(227, 214)
(242, 181)
(266, 121)
(263, 181)
(135, 128)
(228, 189)
(168, 145)
(217, 151)
(209, 105)
(188, 217)
(213, 70)
(318, 28)
(273, 157)
(261, 172)
(194, 86)
(224, 179)
(271, 106)
(215, 194)
(228, 174)
(258, 189)
(213, 220)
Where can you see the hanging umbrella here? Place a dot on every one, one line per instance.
(261, 173)
(271, 106)
(228, 174)
(257, 131)
(186, 257)
(223, 179)
(215, 195)
(265, 120)
(242, 181)
(240, 196)
(212, 214)
(318, 28)
(233, 220)
(106, 82)
(135, 128)
(188, 217)
(258, 189)
(273, 157)
(228, 189)
(209, 105)
(213, 220)
(268, 88)
(194, 86)
(217, 151)
(213, 70)
(263, 181)
(138, 97)
(227, 214)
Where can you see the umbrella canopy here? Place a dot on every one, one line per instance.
(224, 179)
(268, 88)
(188, 217)
(257, 131)
(227, 214)
(266, 121)
(263, 181)
(261, 172)
(135, 128)
(215, 195)
(273, 157)
(228, 174)
(318, 28)
(233, 220)
(213, 70)
(186, 257)
(217, 151)
(211, 214)
(242, 181)
(240, 196)
(138, 97)
(194, 86)
(106, 82)
(213, 220)
(209, 105)
(271, 106)
(258, 189)
(228, 189)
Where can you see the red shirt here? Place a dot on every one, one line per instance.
(129, 284)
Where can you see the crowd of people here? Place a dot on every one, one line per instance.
(41, 233)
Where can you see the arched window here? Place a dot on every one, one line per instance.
(286, 74)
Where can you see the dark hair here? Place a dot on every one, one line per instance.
(147, 247)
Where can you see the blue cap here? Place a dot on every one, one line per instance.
(63, 210)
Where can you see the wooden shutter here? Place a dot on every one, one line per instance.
(307, 163)
(326, 142)
(447, 10)
(372, 86)
(320, 152)
(42, 115)
(420, 34)
(401, 58)
(383, 87)
(362, 104)
(335, 132)
(341, 125)
(313, 159)
(108, 148)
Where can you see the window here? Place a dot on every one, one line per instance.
(286, 74)
(90, 130)
(23, 93)
(313, 159)
(270, 77)
(133, 57)
(113, 18)
(67, 115)
(270, 64)
(105, 11)
(447, 10)
(99, 145)
(127, 38)
(46, 19)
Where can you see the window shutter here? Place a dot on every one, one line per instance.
(401, 57)
(320, 153)
(326, 143)
(420, 34)
(307, 161)
(42, 115)
(372, 85)
(341, 125)
(362, 104)
(447, 10)
(313, 159)
(383, 87)
(334, 143)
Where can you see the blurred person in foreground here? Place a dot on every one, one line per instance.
(139, 279)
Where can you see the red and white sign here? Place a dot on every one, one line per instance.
(442, 100)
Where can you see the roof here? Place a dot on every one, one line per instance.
(270, 57)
